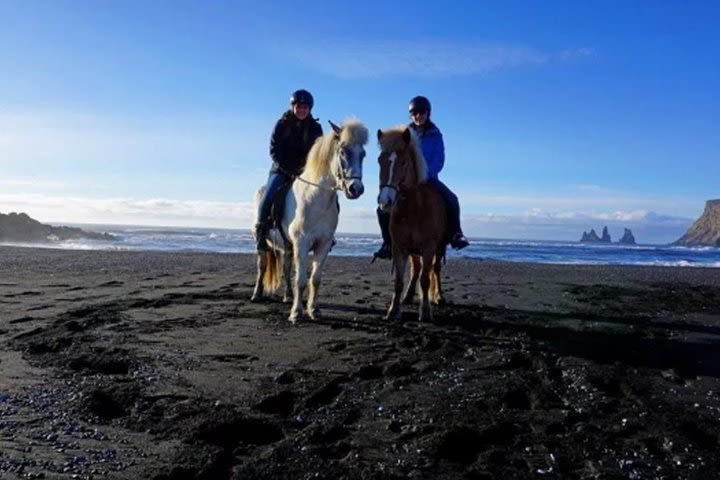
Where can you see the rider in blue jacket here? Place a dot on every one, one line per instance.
(293, 136)
(433, 149)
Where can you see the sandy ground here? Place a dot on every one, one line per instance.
(156, 365)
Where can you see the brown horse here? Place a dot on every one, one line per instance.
(417, 220)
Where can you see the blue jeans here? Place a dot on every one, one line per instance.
(276, 180)
(452, 206)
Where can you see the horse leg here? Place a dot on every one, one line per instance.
(436, 284)
(412, 286)
(319, 257)
(425, 313)
(300, 255)
(261, 266)
(399, 264)
(287, 274)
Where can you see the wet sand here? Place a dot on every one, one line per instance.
(156, 365)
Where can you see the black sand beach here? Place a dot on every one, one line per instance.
(156, 365)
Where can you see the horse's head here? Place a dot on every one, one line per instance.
(350, 140)
(401, 164)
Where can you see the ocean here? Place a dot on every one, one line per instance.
(363, 245)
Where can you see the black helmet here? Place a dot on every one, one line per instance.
(419, 103)
(301, 96)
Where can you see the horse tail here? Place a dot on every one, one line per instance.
(273, 271)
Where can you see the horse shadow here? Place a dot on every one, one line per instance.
(634, 341)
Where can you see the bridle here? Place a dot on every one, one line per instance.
(341, 181)
(401, 180)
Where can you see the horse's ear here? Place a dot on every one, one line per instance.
(379, 134)
(406, 135)
(335, 128)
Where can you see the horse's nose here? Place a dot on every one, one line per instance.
(360, 189)
(356, 189)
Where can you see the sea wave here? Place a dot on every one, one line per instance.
(178, 239)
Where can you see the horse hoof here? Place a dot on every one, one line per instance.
(255, 298)
(314, 314)
(287, 299)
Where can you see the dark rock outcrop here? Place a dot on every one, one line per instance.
(590, 237)
(19, 227)
(628, 238)
(605, 236)
(706, 229)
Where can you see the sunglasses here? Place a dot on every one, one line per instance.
(418, 112)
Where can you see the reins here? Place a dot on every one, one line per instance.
(343, 180)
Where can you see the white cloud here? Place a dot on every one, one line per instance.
(533, 223)
(430, 58)
(574, 200)
(648, 227)
(152, 211)
(576, 53)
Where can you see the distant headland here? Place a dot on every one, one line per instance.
(705, 232)
(592, 237)
(19, 227)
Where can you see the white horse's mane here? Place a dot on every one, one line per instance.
(321, 154)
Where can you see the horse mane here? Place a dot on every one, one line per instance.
(321, 153)
(392, 140)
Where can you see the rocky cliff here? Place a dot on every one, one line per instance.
(19, 227)
(706, 229)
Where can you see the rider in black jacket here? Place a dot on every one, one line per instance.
(293, 136)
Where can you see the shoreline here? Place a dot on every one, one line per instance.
(156, 365)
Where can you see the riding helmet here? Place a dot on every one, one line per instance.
(419, 103)
(302, 96)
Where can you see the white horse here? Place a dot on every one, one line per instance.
(311, 216)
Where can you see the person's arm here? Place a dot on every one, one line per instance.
(436, 159)
(318, 131)
(276, 150)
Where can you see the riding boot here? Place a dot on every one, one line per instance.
(452, 210)
(385, 251)
(261, 233)
(459, 241)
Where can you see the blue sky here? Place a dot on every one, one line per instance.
(558, 117)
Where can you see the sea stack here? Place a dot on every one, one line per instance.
(628, 238)
(605, 236)
(590, 237)
(705, 232)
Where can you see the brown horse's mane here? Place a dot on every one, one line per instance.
(321, 153)
(392, 141)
